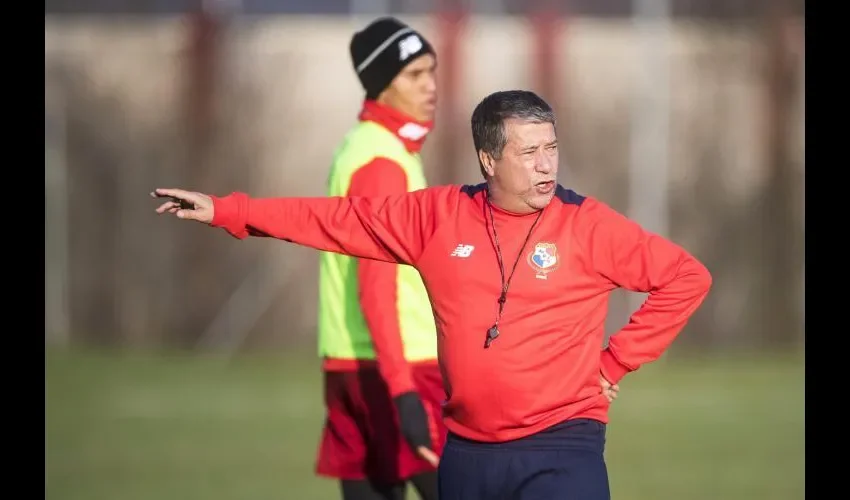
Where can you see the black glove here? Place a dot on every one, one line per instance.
(413, 420)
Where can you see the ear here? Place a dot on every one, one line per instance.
(487, 163)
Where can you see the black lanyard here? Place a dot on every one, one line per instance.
(493, 331)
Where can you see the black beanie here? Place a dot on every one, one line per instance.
(381, 50)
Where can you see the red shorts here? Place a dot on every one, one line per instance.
(361, 438)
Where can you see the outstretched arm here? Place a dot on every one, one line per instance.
(390, 228)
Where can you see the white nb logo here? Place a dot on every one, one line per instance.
(409, 46)
(463, 251)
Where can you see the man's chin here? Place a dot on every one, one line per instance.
(427, 113)
(540, 201)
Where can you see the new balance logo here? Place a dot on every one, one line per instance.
(463, 251)
(409, 46)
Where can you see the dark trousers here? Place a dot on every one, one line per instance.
(564, 462)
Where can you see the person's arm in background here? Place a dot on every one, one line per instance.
(378, 281)
(628, 256)
(378, 293)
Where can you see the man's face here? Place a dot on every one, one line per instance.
(414, 90)
(527, 171)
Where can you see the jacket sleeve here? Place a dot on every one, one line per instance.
(625, 255)
(378, 284)
(393, 228)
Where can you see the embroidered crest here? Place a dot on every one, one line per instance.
(544, 259)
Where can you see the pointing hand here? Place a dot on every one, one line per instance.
(185, 204)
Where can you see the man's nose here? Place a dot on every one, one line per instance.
(430, 84)
(544, 164)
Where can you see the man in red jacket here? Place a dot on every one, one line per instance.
(519, 271)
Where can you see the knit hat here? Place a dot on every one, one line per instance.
(381, 50)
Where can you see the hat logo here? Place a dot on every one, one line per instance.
(409, 46)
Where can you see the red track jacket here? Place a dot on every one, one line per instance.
(544, 367)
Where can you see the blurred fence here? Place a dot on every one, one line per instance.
(134, 103)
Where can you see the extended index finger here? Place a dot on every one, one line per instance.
(174, 193)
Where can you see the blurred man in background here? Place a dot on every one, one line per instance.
(383, 389)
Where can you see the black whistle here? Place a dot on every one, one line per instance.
(492, 333)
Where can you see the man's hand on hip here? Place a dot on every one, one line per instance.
(185, 204)
(608, 389)
(414, 425)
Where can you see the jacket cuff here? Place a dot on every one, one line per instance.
(612, 369)
(231, 214)
(400, 384)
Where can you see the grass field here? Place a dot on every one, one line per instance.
(161, 427)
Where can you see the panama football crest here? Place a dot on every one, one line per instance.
(544, 259)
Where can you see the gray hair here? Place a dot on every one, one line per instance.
(488, 118)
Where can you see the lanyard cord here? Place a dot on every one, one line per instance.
(493, 332)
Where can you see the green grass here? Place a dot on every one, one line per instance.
(160, 427)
